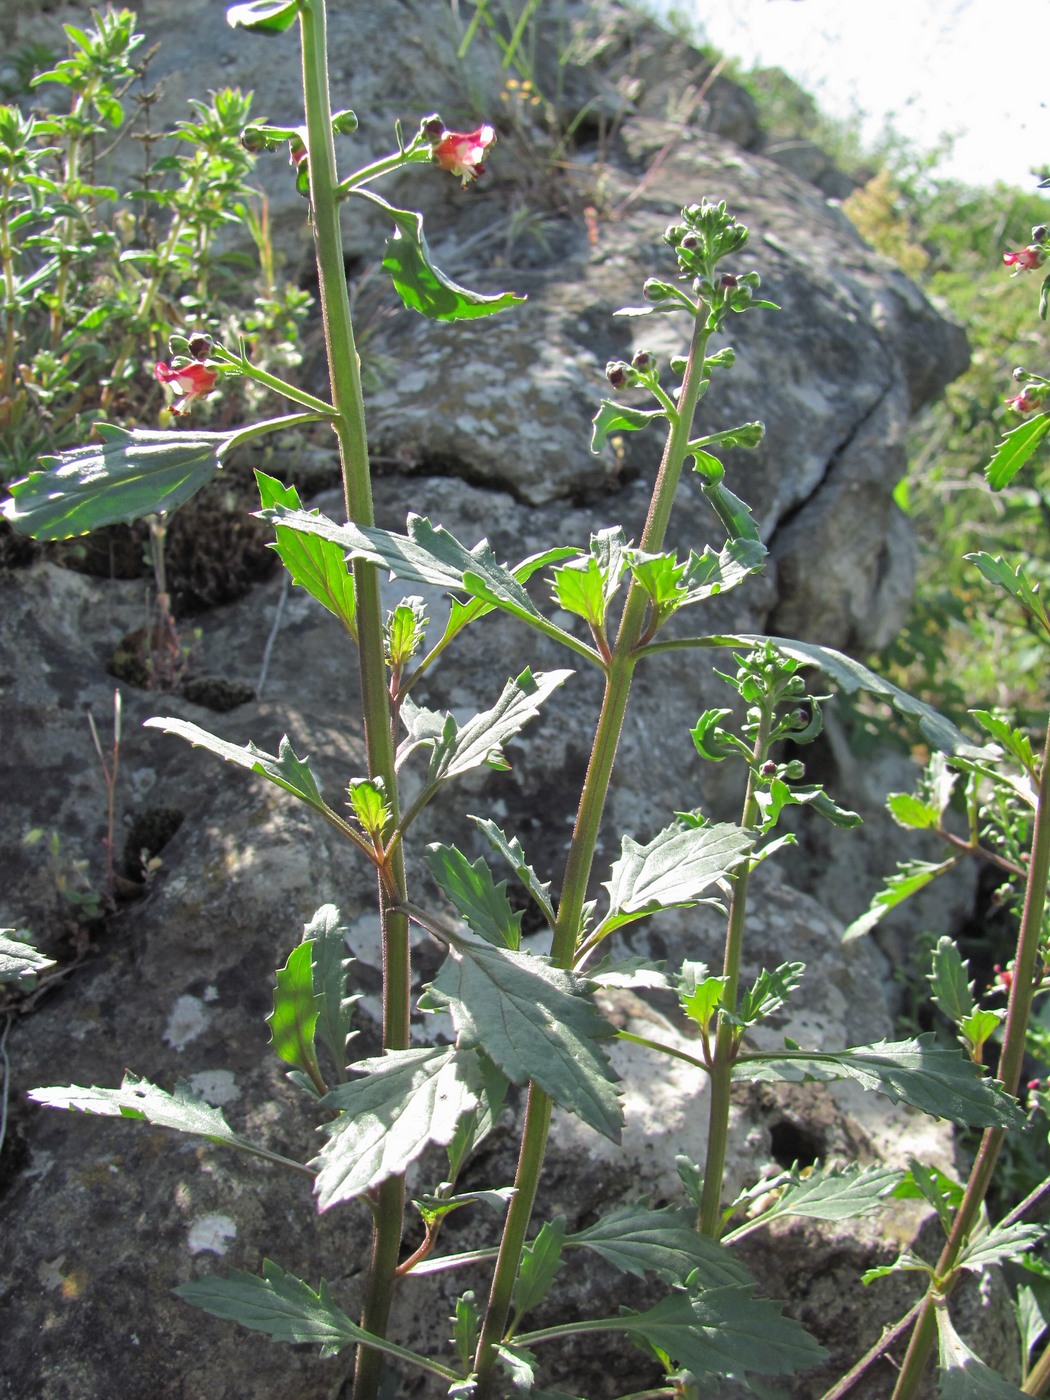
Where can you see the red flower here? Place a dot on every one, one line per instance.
(1025, 259)
(191, 382)
(1023, 402)
(462, 152)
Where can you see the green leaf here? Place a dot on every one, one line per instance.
(429, 554)
(423, 287)
(1015, 582)
(724, 1332)
(949, 982)
(664, 1242)
(472, 890)
(20, 962)
(735, 515)
(1002, 1242)
(910, 811)
(286, 770)
(407, 1100)
(279, 1304)
(939, 1079)
(616, 418)
(534, 1022)
(512, 852)
(293, 1020)
(767, 994)
(263, 16)
(906, 1263)
(710, 574)
(1015, 449)
(908, 880)
(659, 576)
(672, 871)
(1014, 741)
(327, 937)
(630, 972)
(829, 1193)
(314, 563)
(540, 1263)
(479, 742)
(850, 676)
(128, 475)
(932, 1185)
(699, 994)
(466, 1328)
(475, 1126)
(744, 435)
(184, 1111)
(963, 1376)
(288, 1310)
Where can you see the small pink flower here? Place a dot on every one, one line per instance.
(191, 382)
(1025, 259)
(1023, 402)
(462, 153)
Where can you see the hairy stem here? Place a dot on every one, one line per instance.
(581, 855)
(1018, 1011)
(726, 1038)
(349, 424)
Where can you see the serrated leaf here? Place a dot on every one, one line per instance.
(128, 475)
(630, 972)
(724, 1332)
(768, 993)
(1014, 582)
(699, 993)
(979, 1026)
(949, 982)
(1015, 741)
(473, 1127)
(1015, 449)
(939, 1079)
(407, 1100)
(314, 563)
(466, 1328)
(710, 574)
(540, 1262)
(330, 963)
(263, 16)
(532, 1020)
(20, 962)
(659, 576)
(938, 1190)
(519, 1365)
(473, 891)
(850, 676)
(480, 740)
(1001, 1242)
(511, 850)
(963, 1376)
(184, 1111)
(428, 554)
(293, 1020)
(613, 417)
(423, 287)
(832, 1193)
(665, 1242)
(906, 1262)
(579, 588)
(286, 769)
(908, 880)
(671, 871)
(910, 811)
(279, 1304)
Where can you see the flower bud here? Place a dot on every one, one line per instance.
(200, 346)
(728, 282)
(768, 769)
(433, 128)
(1039, 233)
(344, 123)
(617, 373)
(642, 360)
(1020, 373)
(655, 290)
(689, 242)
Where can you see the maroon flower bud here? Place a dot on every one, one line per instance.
(728, 282)
(768, 769)
(200, 346)
(642, 360)
(1020, 373)
(1039, 233)
(616, 372)
(689, 242)
(434, 128)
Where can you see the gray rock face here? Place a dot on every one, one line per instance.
(485, 428)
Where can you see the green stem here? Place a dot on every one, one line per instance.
(271, 381)
(1018, 1011)
(349, 424)
(581, 855)
(727, 1037)
(383, 167)
(7, 257)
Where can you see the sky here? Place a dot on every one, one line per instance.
(975, 69)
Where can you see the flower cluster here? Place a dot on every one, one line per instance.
(192, 378)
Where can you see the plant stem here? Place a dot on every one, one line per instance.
(726, 1037)
(581, 854)
(1018, 1010)
(349, 424)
